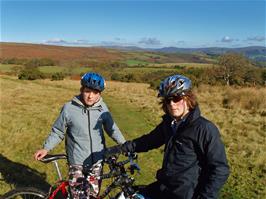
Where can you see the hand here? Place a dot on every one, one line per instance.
(40, 154)
(128, 147)
(111, 151)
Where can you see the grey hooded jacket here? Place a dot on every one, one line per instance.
(83, 128)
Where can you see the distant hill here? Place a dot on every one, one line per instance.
(125, 53)
(256, 53)
(96, 54)
(60, 53)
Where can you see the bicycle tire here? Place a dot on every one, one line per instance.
(25, 193)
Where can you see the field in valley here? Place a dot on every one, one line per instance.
(28, 109)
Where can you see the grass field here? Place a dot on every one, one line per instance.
(9, 68)
(66, 70)
(132, 62)
(181, 64)
(29, 108)
(12, 68)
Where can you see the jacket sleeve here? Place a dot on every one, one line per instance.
(150, 141)
(217, 169)
(57, 133)
(111, 128)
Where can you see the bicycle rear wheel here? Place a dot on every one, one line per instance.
(25, 193)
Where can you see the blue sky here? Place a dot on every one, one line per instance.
(153, 24)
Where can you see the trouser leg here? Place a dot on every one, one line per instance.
(79, 188)
(95, 184)
(75, 180)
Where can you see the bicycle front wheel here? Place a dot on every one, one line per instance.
(24, 193)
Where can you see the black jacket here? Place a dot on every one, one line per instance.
(194, 164)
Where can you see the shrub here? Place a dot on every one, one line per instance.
(13, 61)
(130, 77)
(116, 77)
(30, 74)
(40, 62)
(57, 76)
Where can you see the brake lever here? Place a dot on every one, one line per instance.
(133, 165)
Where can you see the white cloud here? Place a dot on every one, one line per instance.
(181, 42)
(150, 41)
(55, 41)
(257, 38)
(227, 39)
(79, 42)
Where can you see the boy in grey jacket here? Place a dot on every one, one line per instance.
(81, 122)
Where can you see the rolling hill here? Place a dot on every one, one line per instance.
(124, 54)
(30, 51)
(256, 53)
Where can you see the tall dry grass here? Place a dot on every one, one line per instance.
(246, 98)
(28, 109)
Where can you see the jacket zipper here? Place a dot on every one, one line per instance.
(92, 160)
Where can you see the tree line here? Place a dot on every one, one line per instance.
(229, 69)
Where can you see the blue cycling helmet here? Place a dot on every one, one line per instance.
(175, 85)
(93, 81)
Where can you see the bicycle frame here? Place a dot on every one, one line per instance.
(117, 171)
(62, 183)
(61, 187)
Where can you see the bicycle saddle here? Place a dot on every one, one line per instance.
(49, 158)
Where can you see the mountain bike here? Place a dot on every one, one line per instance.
(122, 178)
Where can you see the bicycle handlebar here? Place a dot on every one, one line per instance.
(117, 168)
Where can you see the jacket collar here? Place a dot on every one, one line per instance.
(193, 115)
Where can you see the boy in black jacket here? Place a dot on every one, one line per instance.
(194, 164)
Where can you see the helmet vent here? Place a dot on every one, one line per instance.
(181, 82)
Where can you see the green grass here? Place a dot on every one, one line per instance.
(14, 69)
(9, 68)
(29, 108)
(137, 70)
(67, 70)
(152, 66)
(132, 62)
(51, 69)
(133, 123)
(195, 65)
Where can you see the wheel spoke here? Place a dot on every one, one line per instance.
(25, 193)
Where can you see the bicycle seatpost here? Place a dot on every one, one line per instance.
(57, 169)
(53, 158)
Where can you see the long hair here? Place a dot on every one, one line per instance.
(190, 99)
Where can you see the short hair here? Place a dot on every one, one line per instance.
(189, 97)
(83, 87)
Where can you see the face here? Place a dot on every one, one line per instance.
(90, 96)
(177, 107)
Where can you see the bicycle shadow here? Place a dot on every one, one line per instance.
(19, 175)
